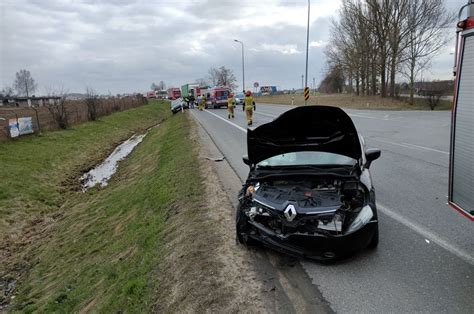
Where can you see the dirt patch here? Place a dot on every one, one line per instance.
(16, 254)
(203, 268)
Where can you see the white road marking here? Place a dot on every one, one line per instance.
(412, 146)
(427, 234)
(369, 117)
(426, 148)
(227, 121)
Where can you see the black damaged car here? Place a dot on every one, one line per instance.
(309, 191)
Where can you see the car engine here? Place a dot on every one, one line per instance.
(323, 206)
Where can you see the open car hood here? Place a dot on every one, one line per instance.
(308, 128)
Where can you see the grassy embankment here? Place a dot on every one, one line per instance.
(354, 102)
(98, 250)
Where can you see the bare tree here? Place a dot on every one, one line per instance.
(226, 77)
(213, 75)
(202, 82)
(379, 18)
(333, 82)
(57, 107)
(426, 20)
(154, 86)
(162, 85)
(373, 40)
(93, 102)
(399, 30)
(7, 91)
(24, 83)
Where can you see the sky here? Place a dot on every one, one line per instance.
(122, 46)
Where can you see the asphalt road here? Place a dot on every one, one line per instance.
(425, 259)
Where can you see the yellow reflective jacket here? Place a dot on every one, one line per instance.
(248, 103)
(230, 102)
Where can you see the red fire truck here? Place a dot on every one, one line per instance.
(461, 161)
(216, 97)
(174, 93)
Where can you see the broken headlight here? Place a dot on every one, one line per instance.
(257, 209)
(362, 219)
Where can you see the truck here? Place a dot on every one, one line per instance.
(174, 93)
(151, 94)
(461, 157)
(190, 89)
(216, 97)
(161, 94)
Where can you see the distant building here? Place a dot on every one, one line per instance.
(15, 101)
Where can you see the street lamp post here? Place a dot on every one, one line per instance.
(243, 68)
(307, 48)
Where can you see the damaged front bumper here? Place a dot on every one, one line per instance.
(315, 246)
(319, 246)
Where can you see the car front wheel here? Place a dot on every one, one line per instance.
(374, 242)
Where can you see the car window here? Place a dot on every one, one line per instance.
(307, 158)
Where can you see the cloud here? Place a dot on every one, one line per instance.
(125, 45)
(284, 49)
(318, 44)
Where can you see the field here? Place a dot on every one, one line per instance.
(353, 102)
(64, 250)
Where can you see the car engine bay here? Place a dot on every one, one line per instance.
(323, 206)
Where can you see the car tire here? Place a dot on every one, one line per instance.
(374, 242)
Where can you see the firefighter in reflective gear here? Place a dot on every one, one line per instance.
(249, 107)
(202, 104)
(230, 105)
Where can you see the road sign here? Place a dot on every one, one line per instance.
(306, 93)
(255, 84)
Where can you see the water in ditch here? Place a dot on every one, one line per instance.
(102, 173)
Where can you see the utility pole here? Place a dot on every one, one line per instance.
(307, 49)
(314, 84)
(302, 81)
(243, 68)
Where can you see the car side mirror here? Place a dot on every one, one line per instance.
(371, 154)
(246, 160)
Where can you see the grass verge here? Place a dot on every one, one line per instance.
(94, 251)
(353, 102)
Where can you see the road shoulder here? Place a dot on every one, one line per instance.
(203, 269)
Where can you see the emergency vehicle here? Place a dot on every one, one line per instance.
(151, 94)
(190, 89)
(216, 97)
(174, 93)
(461, 159)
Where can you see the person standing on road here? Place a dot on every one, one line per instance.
(230, 106)
(191, 101)
(199, 100)
(202, 104)
(249, 107)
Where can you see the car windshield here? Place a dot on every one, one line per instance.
(307, 158)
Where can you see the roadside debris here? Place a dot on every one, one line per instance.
(104, 171)
(215, 159)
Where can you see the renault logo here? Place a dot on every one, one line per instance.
(290, 212)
